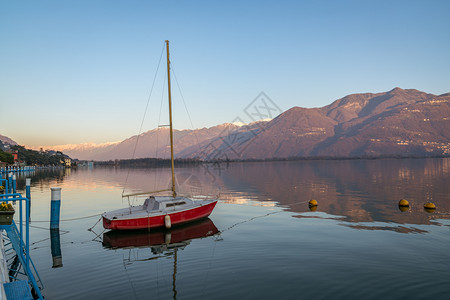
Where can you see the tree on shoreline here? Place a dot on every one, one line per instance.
(6, 157)
(32, 157)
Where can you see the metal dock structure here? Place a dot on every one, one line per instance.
(9, 170)
(19, 278)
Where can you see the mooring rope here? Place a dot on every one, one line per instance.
(65, 220)
(249, 220)
(98, 235)
(90, 229)
(257, 217)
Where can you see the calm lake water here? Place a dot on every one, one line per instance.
(261, 241)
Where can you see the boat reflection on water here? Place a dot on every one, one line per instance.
(160, 240)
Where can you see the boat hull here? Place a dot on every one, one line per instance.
(156, 221)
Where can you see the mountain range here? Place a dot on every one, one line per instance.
(394, 123)
(7, 140)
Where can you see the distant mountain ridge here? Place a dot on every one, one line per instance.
(394, 123)
(398, 122)
(7, 140)
(83, 150)
(155, 143)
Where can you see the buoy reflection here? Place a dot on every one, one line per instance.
(313, 208)
(403, 208)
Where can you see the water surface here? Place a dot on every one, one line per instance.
(261, 241)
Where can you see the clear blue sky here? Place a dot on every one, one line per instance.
(81, 71)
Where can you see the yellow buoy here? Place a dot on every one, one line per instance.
(403, 203)
(429, 205)
(312, 203)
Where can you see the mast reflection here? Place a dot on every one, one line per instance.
(161, 241)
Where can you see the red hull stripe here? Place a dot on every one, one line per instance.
(179, 217)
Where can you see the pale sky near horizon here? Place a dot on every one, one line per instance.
(81, 71)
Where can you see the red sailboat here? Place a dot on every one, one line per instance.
(160, 211)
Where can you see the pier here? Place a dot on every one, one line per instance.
(17, 169)
(19, 278)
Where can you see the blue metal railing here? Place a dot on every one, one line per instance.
(15, 235)
(17, 169)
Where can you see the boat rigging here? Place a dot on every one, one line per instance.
(160, 211)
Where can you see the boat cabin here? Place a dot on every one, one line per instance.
(153, 203)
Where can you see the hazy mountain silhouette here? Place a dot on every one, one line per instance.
(7, 140)
(398, 122)
(394, 123)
